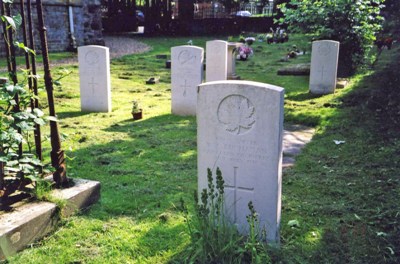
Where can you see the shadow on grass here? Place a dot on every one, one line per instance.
(145, 175)
(303, 96)
(344, 196)
(65, 115)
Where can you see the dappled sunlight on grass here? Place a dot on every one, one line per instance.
(343, 196)
(188, 154)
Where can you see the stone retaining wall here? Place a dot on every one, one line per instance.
(87, 24)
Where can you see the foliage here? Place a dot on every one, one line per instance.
(135, 107)
(244, 52)
(352, 23)
(214, 238)
(254, 246)
(17, 121)
(15, 126)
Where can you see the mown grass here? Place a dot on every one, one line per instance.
(345, 197)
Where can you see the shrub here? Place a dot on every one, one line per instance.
(353, 23)
(214, 239)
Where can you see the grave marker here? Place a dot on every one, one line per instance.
(94, 74)
(240, 126)
(231, 60)
(217, 60)
(186, 75)
(324, 62)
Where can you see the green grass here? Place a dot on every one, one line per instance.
(52, 56)
(345, 197)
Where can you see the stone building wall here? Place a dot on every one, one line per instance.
(87, 24)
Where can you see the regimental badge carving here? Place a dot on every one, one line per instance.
(237, 114)
(324, 49)
(91, 57)
(185, 56)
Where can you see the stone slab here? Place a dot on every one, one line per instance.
(240, 129)
(217, 60)
(94, 78)
(231, 60)
(32, 221)
(79, 197)
(324, 63)
(342, 83)
(297, 69)
(295, 137)
(186, 74)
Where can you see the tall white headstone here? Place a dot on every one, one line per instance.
(95, 82)
(324, 63)
(231, 60)
(186, 75)
(217, 60)
(240, 126)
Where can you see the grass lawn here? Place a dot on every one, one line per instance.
(344, 197)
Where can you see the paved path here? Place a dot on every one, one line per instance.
(295, 137)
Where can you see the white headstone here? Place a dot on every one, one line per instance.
(95, 82)
(186, 75)
(240, 126)
(217, 60)
(231, 60)
(324, 63)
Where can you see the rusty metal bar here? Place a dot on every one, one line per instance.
(6, 41)
(33, 86)
(13, 72)
(57, 154)
(2, 10)
(1, 176)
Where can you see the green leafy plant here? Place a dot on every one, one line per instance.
(255, 246)
(352, 23)
(15, 126)
(214, 238)
(135, 107)
(18, 120)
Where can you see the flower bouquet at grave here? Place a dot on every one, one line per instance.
(244, 52)
(261, 37)
(270, 38)
(249, 40)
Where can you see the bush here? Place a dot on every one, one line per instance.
(353, 23)
(214, 239)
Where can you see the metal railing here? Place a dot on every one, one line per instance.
(22, 13)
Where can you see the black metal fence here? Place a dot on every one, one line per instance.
(13, 180)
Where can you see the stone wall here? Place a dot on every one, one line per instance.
(87, 24)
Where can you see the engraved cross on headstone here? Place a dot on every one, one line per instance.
(184, 86)
(92, 84)
(322, 70)
(236, 189)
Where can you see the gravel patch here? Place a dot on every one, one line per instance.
(119, 46)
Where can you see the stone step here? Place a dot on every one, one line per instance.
(32, 221)
(295, 137)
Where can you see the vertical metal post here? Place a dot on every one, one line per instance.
(1, 176)
(13, 67)
(57, 154)
(30, 81)
(9, 69)
(6, 41)
(33, 81)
